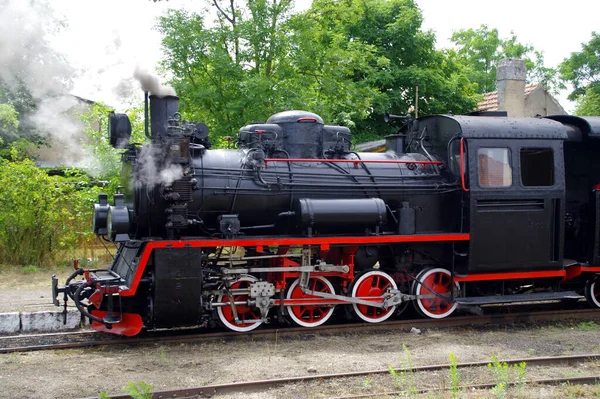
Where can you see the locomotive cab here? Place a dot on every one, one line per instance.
(512, 181)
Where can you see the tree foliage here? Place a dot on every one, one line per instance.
(588, 104)
(348, 60)
(41, 215)
(582, 70)
(482, 49)
(9, 121)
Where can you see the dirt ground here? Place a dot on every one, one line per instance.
(84, 373)
(27, 290)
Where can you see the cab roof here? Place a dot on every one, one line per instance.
(490, 127)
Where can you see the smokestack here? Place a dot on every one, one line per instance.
(510, 75)
(161, 109)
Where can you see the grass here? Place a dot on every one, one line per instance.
(587, 326)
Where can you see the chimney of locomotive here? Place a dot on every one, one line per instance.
(161, 109)
(510, 76)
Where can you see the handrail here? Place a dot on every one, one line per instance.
(355, 161)
(462, 165)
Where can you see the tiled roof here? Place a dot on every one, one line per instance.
(490, 100)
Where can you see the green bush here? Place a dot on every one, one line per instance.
(42, 215)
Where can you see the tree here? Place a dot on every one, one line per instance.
(9, 122)
(582, 69)
(482, 49)
(348, 60)
(588, 104)
(384, 56)
(226, 75)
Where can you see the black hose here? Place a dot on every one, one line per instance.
(84, 311)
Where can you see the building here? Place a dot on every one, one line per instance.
(517, 98)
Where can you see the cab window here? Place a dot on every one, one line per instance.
(495, 168)
(537, 167)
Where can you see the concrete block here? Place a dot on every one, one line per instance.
(49, 321)
(10, 323)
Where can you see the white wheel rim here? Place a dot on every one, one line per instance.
(422, 276)
(357, 284)
(298, 320)
(233, 326)
(592, 296)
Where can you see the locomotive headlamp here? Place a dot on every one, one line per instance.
(119, 130)
(118, 220)
(100, 218)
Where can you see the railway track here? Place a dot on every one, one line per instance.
(86, 339)
(263, 385)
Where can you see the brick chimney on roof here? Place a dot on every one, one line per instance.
(510, 75)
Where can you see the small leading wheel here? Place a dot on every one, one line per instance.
(372, 284)
(434, 282)
(310, 315)
(249, 317)
(592, 292)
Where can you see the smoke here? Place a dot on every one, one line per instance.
(37, 77)
(27, 59)
(150, 173)
(151, 83)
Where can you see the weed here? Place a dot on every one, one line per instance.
(163, 355)
(454, 375)
(367, 383)
(396, 378)
(501, 375)
(139, 390)
(104, 394)
(404, 378)
(587, 326)
(520, 381)
(500, 391)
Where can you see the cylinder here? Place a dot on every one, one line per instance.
(367, 212)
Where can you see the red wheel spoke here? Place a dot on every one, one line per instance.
(310, 315)
(244, 312)
(373, 284)
(434, 282)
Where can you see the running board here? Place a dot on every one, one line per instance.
(542, 296)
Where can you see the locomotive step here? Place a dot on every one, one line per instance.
(542, 296)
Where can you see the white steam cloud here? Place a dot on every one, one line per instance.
(151, 83)
(149, 171)
(30, 65)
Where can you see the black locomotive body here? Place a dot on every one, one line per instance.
(294, 224)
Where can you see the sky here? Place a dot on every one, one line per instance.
(109, 38)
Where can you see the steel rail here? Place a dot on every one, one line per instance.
(275, 333)
(222, 389)
(544, 381)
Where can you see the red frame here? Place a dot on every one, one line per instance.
(345, 257)
(324, 244)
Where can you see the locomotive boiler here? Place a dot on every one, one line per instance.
(294, 225)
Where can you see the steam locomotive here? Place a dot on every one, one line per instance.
(293, 225)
